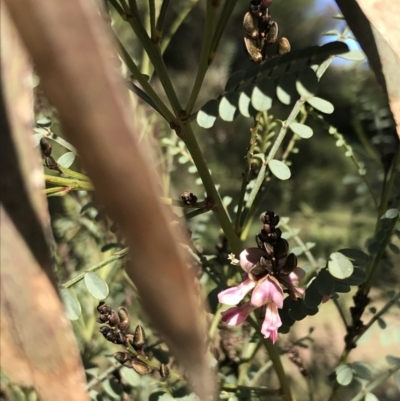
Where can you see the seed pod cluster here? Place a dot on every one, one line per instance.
(46, 149)
(276, 261)
(115, 330)
(261, 32)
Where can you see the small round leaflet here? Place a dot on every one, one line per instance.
(97, 287)
(344, 375)
(340, 266)
(302, 130)
(66, 159)
(321, 104)
(279, 169)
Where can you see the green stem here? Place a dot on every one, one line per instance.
(246, 173)
(390, 183)
(377, 315)
(76, 185)
(259, 390)
(374, 266)
(204, 55)
(161, 16)
(334, 132)
(282, 133)
(218, 207)
(376, 382)
(117, 255)
(220, 26)
(152, 16)
(188, 6)
(277, 363)
(133, 68)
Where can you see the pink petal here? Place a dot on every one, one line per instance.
(249, 258)
(237, 315)
(271, 322)
(267, 290)
(233, 295)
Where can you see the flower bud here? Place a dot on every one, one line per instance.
(283, 46)
(253, 51)
(250, 25)
(139, 337)
(123, 319)
(45, 145)
(140, 367)
(250, 258)
(164, 371)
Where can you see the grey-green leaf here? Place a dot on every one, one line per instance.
(371, 397)
(340, 266)
(279, 169)
(302, 130)
(362, 370)
(286, 90)
(66, 159)
(353, 55)
(207, 115)
(228, 106)
(234, 80)
(97, 287)
(344, 375)
(391, 214)
(263, 95)
(71, 304)
(245, 107)
(307, 83)
(325, 282)
(321, 104)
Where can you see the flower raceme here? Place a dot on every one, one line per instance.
(270, 271)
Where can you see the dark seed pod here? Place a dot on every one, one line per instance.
(164, 371)
(140, 367)
(139, 337)
(45, 146)
(259, 241)
(290, 264)
(253, 51)
(283, 46)
(250, 25)
(103, 308)
(122, 357)
(113, 319)
(272, 33)
(270, 218)
(281, 248)
(123, 319)
(267, 264)
(102, 319)
(269, 249)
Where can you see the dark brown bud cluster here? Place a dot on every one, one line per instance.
(116, 332)
(188, 198)
(275, 260)
(360, 303)
(261, 32)
(49, 161)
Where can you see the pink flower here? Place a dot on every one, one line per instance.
(267, 290)
(237, 315)
(233, 295)
(272, 322)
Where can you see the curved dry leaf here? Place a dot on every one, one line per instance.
(77, 58)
